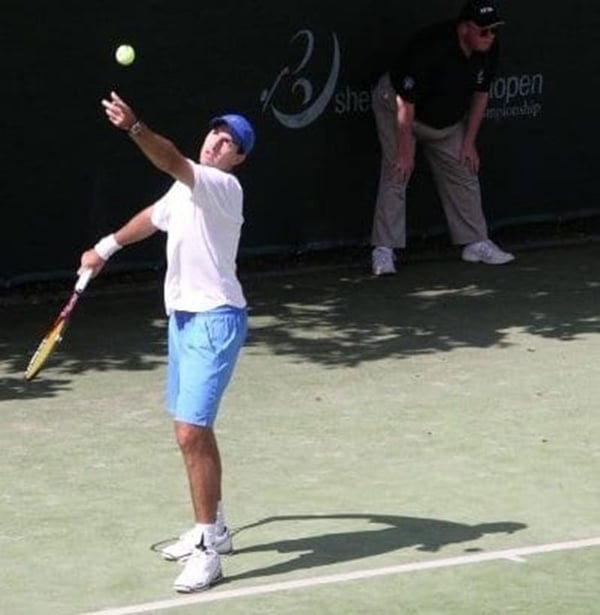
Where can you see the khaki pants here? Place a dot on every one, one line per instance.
(458, 188)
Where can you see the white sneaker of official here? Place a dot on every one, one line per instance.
(382, 261)
(202, 570)
(487, 252)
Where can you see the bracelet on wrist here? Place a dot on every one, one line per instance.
(135, 128)
(107, 246)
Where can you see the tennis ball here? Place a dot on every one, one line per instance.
(125, 55)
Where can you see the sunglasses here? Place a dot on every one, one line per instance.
(485, 32)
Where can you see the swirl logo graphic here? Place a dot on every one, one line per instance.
(311, 105)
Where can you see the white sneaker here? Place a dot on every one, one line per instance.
(189, 540)
(487, 252)
(382, 261)
(224, 542)
(202, 570)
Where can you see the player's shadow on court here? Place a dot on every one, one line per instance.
(390, 534)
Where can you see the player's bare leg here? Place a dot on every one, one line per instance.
(202, 460)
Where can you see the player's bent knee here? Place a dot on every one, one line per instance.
(193, 437)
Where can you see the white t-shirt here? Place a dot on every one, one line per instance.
(203, 229)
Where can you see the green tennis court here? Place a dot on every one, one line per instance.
(424, 444)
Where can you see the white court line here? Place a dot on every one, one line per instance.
(214, 595)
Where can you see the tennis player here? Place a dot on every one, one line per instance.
(202, 214)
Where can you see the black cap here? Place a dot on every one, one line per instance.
(481, 12)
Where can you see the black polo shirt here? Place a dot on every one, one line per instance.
(435, 75)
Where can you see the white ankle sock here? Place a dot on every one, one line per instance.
(220, 523)
(208, 534)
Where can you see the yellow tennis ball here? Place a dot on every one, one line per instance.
(125, 55)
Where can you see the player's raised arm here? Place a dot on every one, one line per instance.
(160, 151)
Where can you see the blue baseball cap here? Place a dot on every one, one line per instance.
(241, 130)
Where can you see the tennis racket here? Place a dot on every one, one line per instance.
(55, 335)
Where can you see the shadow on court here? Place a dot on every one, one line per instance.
(335, 318)
(339, 369)
(431, 307)
(393, 533)
(107, 332)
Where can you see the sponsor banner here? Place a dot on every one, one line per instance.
(516, 96)
(302, 72)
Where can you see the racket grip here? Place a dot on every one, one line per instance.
(83, 279)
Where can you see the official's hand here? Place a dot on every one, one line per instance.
(119, 112)
(470, 157)
(90, 259)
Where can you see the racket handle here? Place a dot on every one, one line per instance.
(83, 279)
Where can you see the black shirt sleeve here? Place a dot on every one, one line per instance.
(489, 69)
(418, 61)
(435, 75)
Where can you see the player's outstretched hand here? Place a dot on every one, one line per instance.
(119, 112)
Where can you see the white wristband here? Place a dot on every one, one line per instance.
(107, 246)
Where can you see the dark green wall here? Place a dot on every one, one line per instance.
(69, 177)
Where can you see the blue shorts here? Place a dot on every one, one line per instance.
(203, 350)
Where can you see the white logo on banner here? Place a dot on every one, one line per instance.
(294, 78)
(516, 97)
